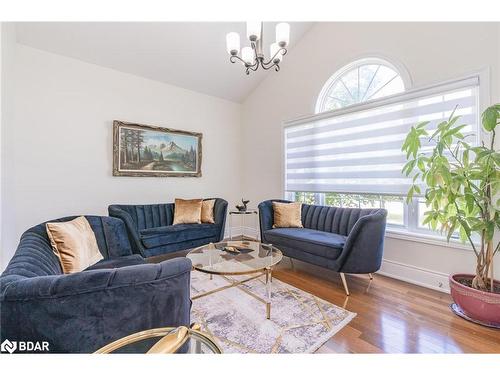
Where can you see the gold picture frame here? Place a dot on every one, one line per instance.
(150, 151)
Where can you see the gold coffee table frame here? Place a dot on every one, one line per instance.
(259, 271)
(173, 338)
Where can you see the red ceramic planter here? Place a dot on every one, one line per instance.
(476, 304)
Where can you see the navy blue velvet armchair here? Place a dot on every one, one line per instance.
(151, 231)
(81, 312)
(345, 240)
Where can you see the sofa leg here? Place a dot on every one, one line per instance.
(291, 263)
(371, 276)
(342, 276)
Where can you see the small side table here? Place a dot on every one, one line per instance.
(243, 214)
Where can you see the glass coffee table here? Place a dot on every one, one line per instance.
(165, 341)
(249, 258)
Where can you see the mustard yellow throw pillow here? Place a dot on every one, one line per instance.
(207, 211)
(287, 215)
(74, 243)
(187, 211)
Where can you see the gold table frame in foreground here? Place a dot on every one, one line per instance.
(173, 344)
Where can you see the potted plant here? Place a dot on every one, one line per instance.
(461, 183)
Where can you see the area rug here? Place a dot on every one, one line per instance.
(300, 322)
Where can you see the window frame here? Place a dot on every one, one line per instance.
(375, 60)
(406, 232)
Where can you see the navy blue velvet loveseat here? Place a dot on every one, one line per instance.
(150, 227)
(81, 312)
(345, 240)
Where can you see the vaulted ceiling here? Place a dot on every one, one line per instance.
(191, 55)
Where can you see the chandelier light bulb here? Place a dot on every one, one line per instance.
(253, 57)
(247, 55)
(273, 50)
(283, 34)
(233, 43)
(253, 30)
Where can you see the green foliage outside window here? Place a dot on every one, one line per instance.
(393, 204)
(304, 197)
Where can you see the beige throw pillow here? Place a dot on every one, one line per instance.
(287, 215)
(187, 211)
(207, 211)
(74, 243)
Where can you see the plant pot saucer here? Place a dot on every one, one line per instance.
(458, 311)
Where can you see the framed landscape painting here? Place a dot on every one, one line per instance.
(144, 150)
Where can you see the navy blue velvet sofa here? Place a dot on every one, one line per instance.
(150, 227)
(345, 240)
(81, 312)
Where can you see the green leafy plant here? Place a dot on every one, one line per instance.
(461, 183)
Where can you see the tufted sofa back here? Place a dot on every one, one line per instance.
(149, 215)
(338, 220)
(34, 256)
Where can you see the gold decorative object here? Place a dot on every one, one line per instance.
(171, 342)
(231, 249)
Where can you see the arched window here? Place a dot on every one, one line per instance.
(349, 153)
(360, 81)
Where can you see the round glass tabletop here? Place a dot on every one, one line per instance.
(164, 340)
(234, 257)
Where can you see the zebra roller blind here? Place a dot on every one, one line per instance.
(357, 149)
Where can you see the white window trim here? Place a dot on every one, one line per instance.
(376, 60)
(393, 231)
(387, 100)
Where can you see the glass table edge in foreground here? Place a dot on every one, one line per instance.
(133, 338)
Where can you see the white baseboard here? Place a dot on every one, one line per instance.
(415, 275)
(396, 270)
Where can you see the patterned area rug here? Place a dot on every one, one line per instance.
(300, 322)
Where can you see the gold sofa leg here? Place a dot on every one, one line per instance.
(371, 276)
(342, 276)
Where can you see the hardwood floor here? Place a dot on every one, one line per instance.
(392, 316)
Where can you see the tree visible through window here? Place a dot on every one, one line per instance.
(359, 82)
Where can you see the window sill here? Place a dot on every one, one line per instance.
(425, 238)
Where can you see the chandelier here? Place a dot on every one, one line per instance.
(252, 57)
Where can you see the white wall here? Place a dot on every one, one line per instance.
(59, 149)
(7, 63)
(430, 53)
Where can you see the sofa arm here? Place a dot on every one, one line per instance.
(364, 246)
(266, 215)
(132, 232)
(220, 214)
(84, 311)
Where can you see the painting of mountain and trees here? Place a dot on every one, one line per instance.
(144, 150)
